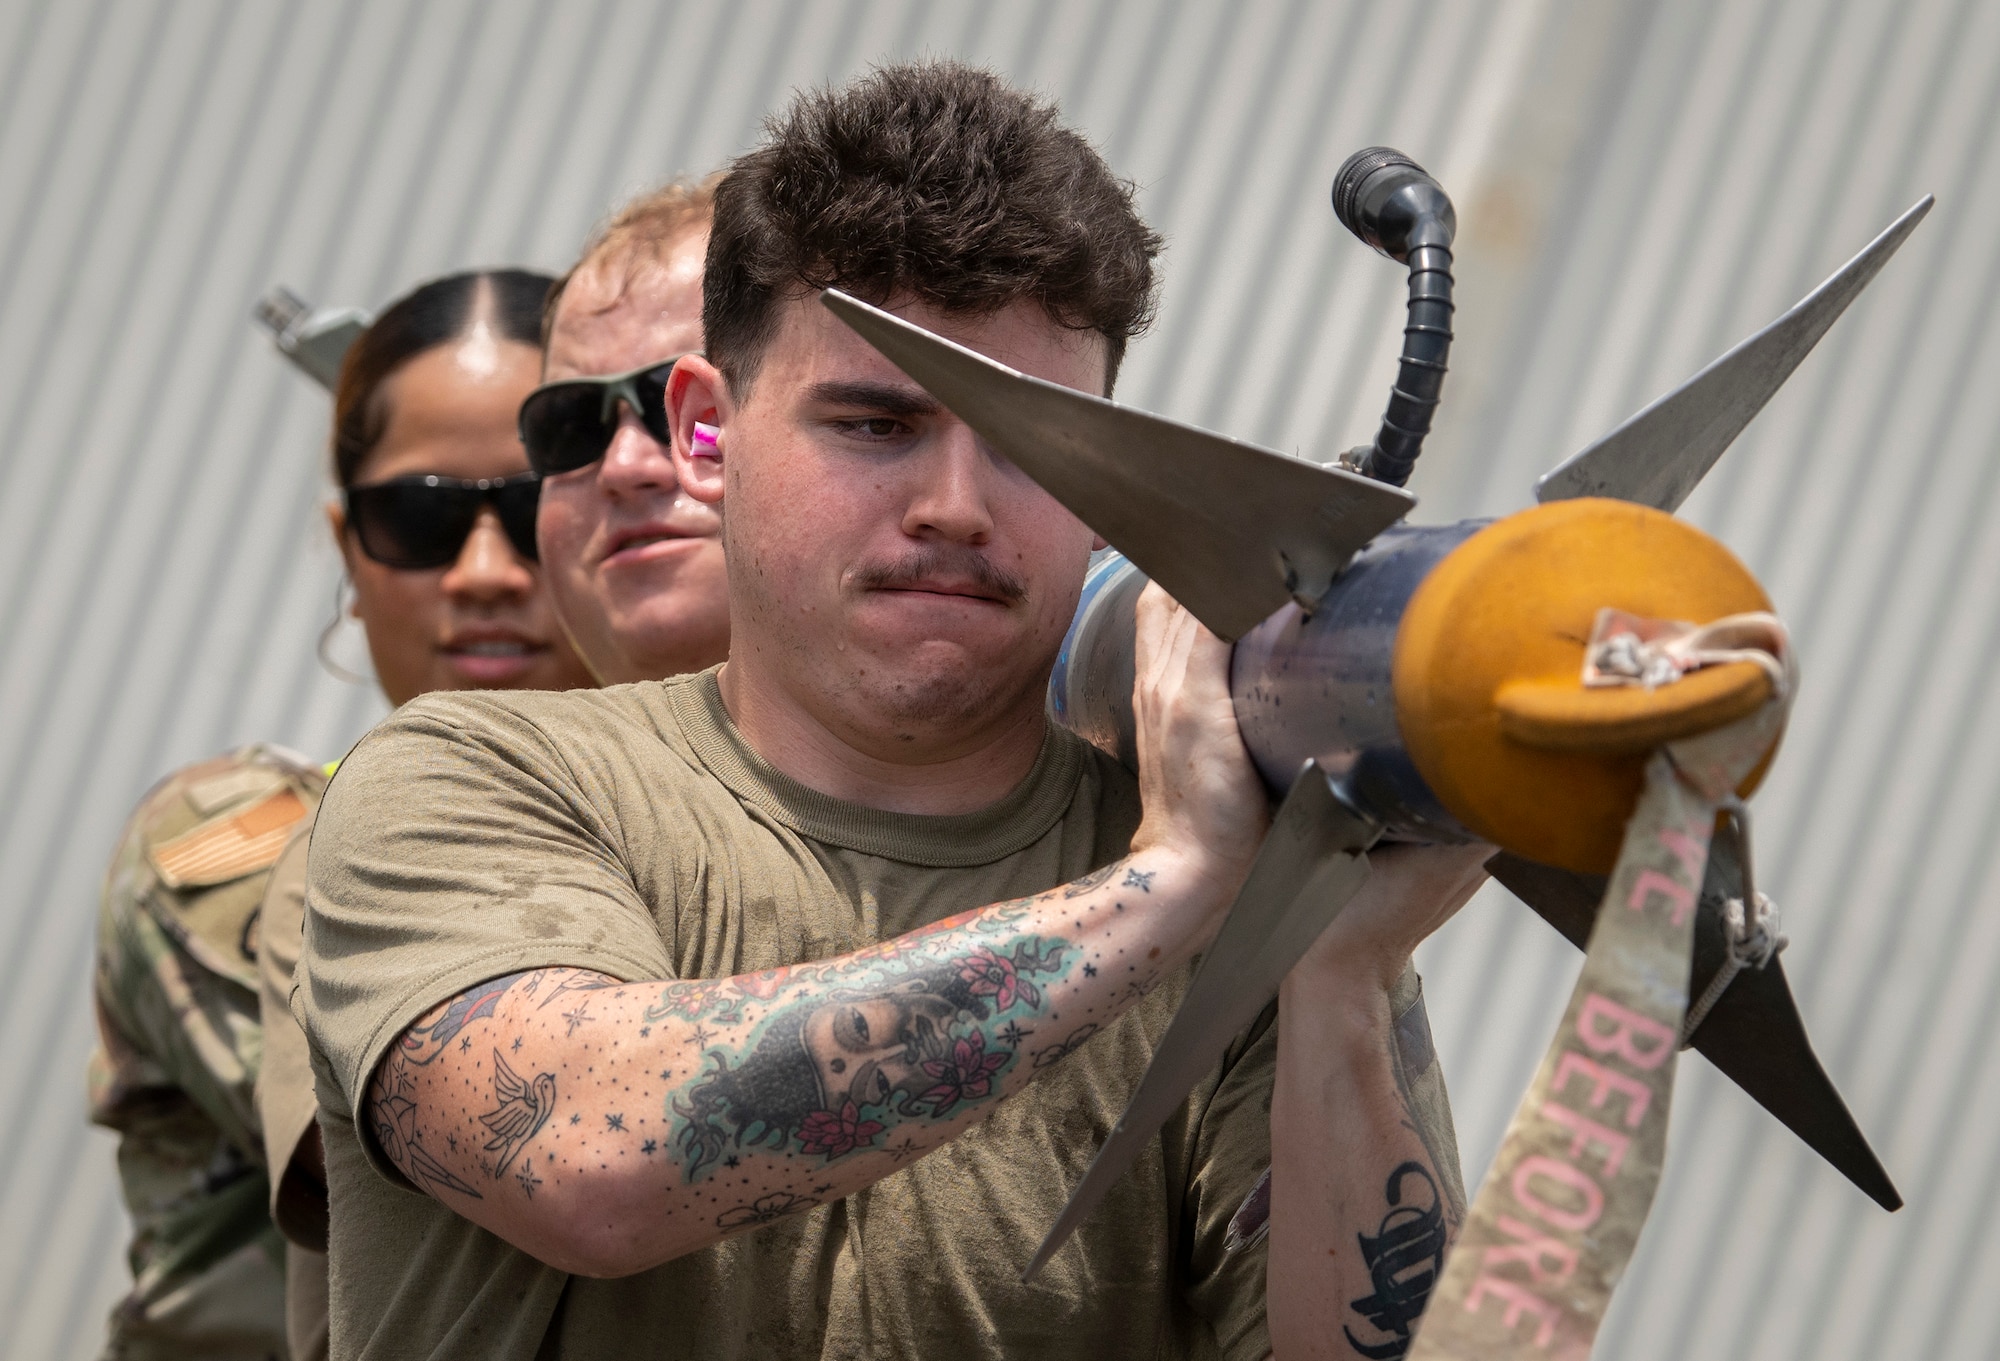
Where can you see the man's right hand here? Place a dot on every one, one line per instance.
(1205, 806)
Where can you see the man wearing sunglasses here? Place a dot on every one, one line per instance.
(633, 564)
(773, 1011)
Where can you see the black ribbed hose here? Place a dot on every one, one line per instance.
(1387, 200)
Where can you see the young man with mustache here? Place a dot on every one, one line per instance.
(773, 1011)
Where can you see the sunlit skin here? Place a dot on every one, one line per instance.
(485, 622)
(633, 562)
(896, 587)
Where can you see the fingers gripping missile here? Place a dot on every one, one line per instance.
(1658, 456)
(1230, 530)
(1312, 862)
(1754, 1034)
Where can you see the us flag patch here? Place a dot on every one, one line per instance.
(229, 847)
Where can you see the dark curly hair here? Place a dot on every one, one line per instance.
(933, 179)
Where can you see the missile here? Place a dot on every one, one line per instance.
(1414, 682)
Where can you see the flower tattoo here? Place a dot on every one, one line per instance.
(966, 1075)
(833, 1133)
(763, 1210)
(994, 976)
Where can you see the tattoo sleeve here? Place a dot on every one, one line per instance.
(678, 1113)
(1360, 1216)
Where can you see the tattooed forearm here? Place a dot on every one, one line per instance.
(1403, 1257)
(826, 1072)
(663, 1116)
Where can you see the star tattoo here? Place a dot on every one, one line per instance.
(577, 1017)
(575, 1119)
(1011, 1035)
(1090, 971)
(616, 1122)
(700, 1038)
(650, 1146)
(1139, 879)
(525, 1175)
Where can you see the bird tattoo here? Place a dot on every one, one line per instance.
(524, 1108)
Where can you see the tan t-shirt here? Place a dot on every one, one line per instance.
(287, 1105)
(633, 832)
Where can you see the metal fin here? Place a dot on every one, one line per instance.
(1231, 531)
(1754, 1034)
(1658, 456)
(1311, 863)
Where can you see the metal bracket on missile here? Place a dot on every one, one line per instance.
(1312, 862)
(1658, 456)
(1231, 531)
(1753, 1033)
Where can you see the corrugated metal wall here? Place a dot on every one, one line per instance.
(1641, 183)
(1741, 151)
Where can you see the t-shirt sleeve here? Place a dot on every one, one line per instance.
(1232, 1151)
(455, 845)
(286, 1104)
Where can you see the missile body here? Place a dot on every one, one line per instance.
(1477, 615)
(1437, 680)
(1306, 685)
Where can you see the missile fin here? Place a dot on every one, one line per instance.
(1658, 456)
(1312, 862)
(1754, 1033)
(1231, 531)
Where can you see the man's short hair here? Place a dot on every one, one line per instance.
(935, 180)
(640, 233)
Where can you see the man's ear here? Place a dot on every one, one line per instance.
(697, 396)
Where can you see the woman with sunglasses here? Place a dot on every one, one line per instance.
(436, 525)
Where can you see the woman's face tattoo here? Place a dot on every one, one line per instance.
(829, 1076)
(867, 1050)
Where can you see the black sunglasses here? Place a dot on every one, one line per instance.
(568, 424)
(419, 522)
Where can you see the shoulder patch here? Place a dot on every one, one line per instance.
(230, 846)
(217, 792)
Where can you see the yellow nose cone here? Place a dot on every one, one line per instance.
(1489, 666)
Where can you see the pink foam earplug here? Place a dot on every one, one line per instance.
(707, 440)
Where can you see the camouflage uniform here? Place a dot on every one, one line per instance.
(177, 1010)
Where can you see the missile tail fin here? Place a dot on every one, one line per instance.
(1231, 531)
(1754, 1033)
(1658, 456)
(1311, 863)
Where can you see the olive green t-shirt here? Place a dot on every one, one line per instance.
(633, 832)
